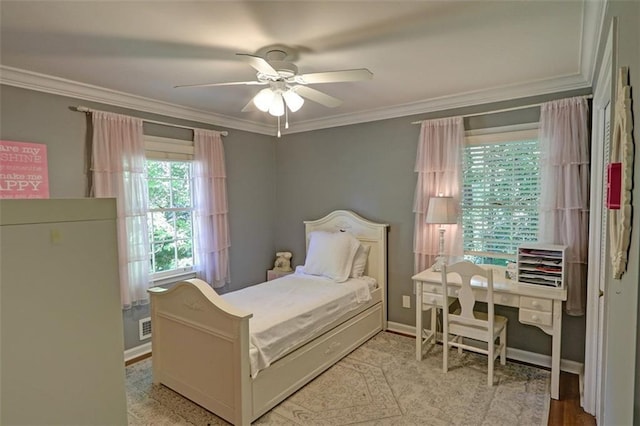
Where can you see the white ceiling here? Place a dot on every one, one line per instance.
(425, 55)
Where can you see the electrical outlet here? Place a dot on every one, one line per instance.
(406, 301)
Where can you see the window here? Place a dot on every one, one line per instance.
(501, 188)
(170, 216)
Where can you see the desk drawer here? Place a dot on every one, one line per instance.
(533, 303)
(431, 288)
(431, 299)
(502, 299)
(512, 300)
(528, 316)
(432, 294)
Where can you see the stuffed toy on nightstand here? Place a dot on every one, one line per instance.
(283, 261)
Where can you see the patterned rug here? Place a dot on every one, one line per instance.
(380, 383)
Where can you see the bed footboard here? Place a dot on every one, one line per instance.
(200, 348)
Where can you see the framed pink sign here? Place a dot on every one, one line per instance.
(23, 170)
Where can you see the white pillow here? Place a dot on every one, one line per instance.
(331, 254)
(360, 261)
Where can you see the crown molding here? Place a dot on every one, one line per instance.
(59, 86)
(468, 99)
(593, 14)
(73, 89)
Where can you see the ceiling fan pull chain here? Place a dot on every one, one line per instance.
(279, 126)
(286, 118)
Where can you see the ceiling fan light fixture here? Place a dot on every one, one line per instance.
(293, 100)
(277, 105)
(264, 99)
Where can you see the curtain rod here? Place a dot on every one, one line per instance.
(81, 108)
(502, 110)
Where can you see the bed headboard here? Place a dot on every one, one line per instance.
(369, 233)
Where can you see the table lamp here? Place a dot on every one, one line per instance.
(441, 211)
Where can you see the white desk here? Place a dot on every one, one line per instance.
(537, 305)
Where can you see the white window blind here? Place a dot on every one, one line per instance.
(159, 148)
(501, 188)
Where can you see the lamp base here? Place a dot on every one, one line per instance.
(441, 259)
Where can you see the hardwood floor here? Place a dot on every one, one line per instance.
(567, 410)
(134, 360)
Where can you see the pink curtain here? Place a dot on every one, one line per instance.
(564, 198)
(118, 167)
(439, 168)
(211, 224)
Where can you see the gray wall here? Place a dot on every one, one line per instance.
(369, 168)
(32, 116)
(275, 184)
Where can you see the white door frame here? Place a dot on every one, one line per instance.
(595, 338)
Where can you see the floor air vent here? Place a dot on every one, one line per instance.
(145, 328)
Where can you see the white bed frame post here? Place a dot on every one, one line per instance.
(243, 393)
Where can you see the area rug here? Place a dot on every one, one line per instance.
(380, 383)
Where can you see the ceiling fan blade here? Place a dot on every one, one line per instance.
(260, 64)
(230, 83)
(334, 76)
(317, 96)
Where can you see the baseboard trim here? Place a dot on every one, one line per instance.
(400, 328)
(515, 354)
(138, 351)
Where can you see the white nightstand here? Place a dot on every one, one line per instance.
(272, 274)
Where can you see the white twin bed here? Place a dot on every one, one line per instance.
(242, 353)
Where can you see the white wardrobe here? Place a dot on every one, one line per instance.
(61, 341)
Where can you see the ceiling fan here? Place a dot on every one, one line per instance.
(287, 88)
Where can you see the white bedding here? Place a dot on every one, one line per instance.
(289, 310)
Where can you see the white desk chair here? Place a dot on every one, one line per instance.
(465, 322)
